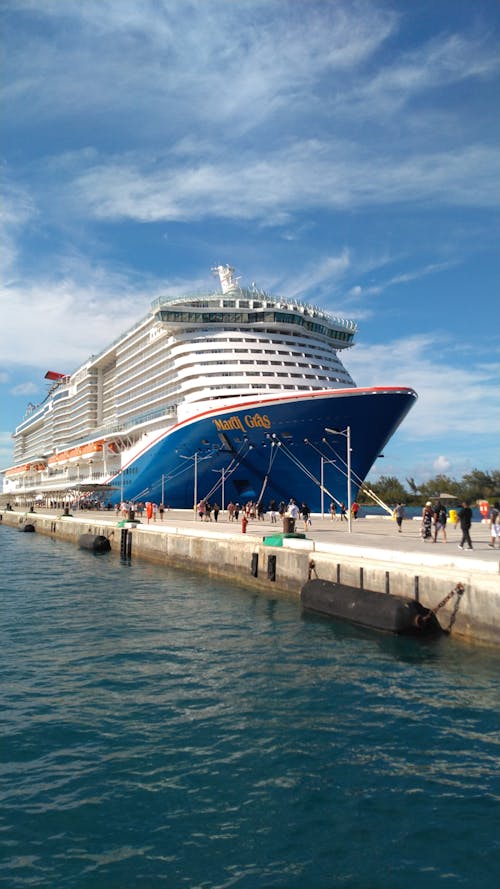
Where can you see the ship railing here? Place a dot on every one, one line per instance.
(54, 482)
(121, 428)
(277, 301)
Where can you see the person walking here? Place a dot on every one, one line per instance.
(440, 517)
(306, 515)
(427, 521)
(465, 519)
(494, 525)
(399, 514)
(292, 513)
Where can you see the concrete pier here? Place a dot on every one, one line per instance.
(374, 556)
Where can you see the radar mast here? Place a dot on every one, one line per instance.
(228, 282)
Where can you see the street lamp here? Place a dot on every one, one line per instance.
(195, 482)
(223, 478)
(322, 480)
(347, 435)
(193, 457)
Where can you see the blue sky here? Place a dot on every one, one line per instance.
(338, 151)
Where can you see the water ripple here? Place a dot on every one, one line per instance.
(161, 731)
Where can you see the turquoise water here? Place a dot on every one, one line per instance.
(160, 729)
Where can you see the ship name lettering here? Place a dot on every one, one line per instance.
(227, 425)
(257, 421)
(252, 421)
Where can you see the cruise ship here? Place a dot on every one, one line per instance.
(229, 396)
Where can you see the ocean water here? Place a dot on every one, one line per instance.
(163, 729)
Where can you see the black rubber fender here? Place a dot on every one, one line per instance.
(97, 543)
(367, 608)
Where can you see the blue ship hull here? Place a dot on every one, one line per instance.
(267, 450)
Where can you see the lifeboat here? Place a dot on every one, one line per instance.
(73, 454)
(18, 470)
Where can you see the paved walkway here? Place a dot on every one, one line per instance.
(374, 532)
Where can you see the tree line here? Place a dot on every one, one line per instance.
(473, 486)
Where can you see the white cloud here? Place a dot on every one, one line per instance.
(207, 60)
(16, 209)
(6, 449)
(62, 322)
(445, 60)
(325, 273)
(68, 319)
(307, 175)
(25, 389)
(454, 398)
(441, 464)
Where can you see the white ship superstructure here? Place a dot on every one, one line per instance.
(187, 356)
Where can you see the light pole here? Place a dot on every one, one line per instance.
(322, 479)
(347, 435)
(223, 476)
(194, 458)
(195, 482)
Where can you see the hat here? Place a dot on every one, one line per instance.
(428, 503)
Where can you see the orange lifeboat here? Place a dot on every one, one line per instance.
(86, 450)
(18, 470)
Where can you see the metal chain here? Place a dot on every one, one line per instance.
(459, 589)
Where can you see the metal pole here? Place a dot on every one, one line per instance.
(163, 489)
(223, 470)
(349, 514)
(322, 488)
(195, 483)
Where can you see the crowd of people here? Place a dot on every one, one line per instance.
(435, 517)
(434, 520)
